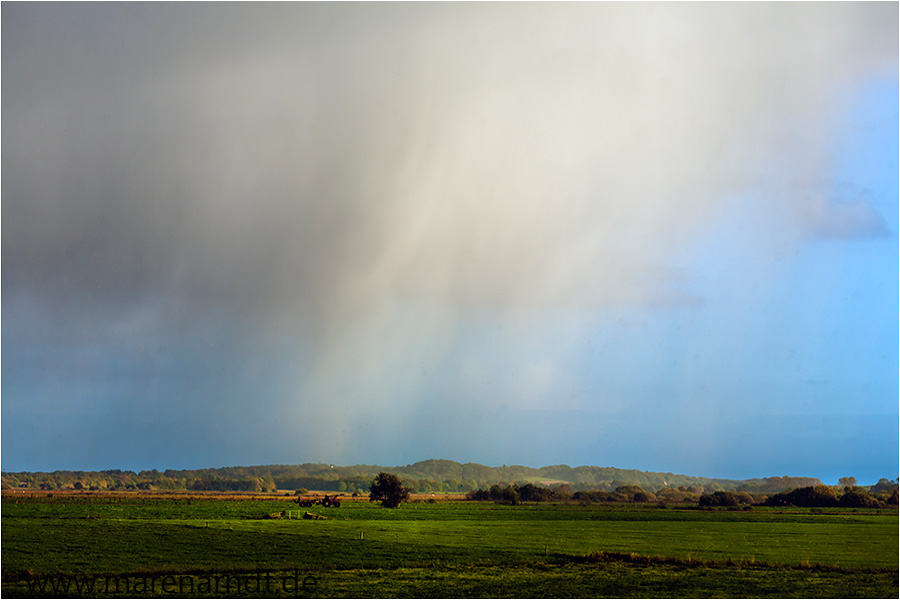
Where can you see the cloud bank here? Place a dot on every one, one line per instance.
(355, 185)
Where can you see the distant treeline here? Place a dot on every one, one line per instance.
(430, 476)
(514, 494)
(881, 495)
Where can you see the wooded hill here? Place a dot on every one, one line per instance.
(429, 476)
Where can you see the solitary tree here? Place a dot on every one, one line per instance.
(388, 489)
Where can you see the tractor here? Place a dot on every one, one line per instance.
(331, 501)
(327, 501)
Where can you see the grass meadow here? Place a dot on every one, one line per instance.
(98, 545)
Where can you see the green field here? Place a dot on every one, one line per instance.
(446, 548)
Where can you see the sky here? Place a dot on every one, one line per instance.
(655, 236)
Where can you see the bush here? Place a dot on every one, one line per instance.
(509, 496)
(643, 496)
(532, 493)
(744, 498)
(858, 498)
(818, 495)
(478, 495)
(588, 496)
(675, 495)
(497, 493)
(731, 499)
(633, 493)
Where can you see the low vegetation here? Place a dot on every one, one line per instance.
(559, 548)
(819, 496)
(823, 496)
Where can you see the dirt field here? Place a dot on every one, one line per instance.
(285, 495)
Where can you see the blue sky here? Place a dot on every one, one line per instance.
(623, 235)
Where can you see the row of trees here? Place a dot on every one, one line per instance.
(729, 499)
(810, 496)
(432, 476)
(824, 496)
(513, 494)
(390, 492)
(529, 492)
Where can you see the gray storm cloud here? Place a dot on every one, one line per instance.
(305, 168)
(319, 158)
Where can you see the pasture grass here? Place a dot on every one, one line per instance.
(454, 548)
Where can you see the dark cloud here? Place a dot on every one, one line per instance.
(245, 158)
(185, 177)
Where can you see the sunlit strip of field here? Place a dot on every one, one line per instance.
(487, 545)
